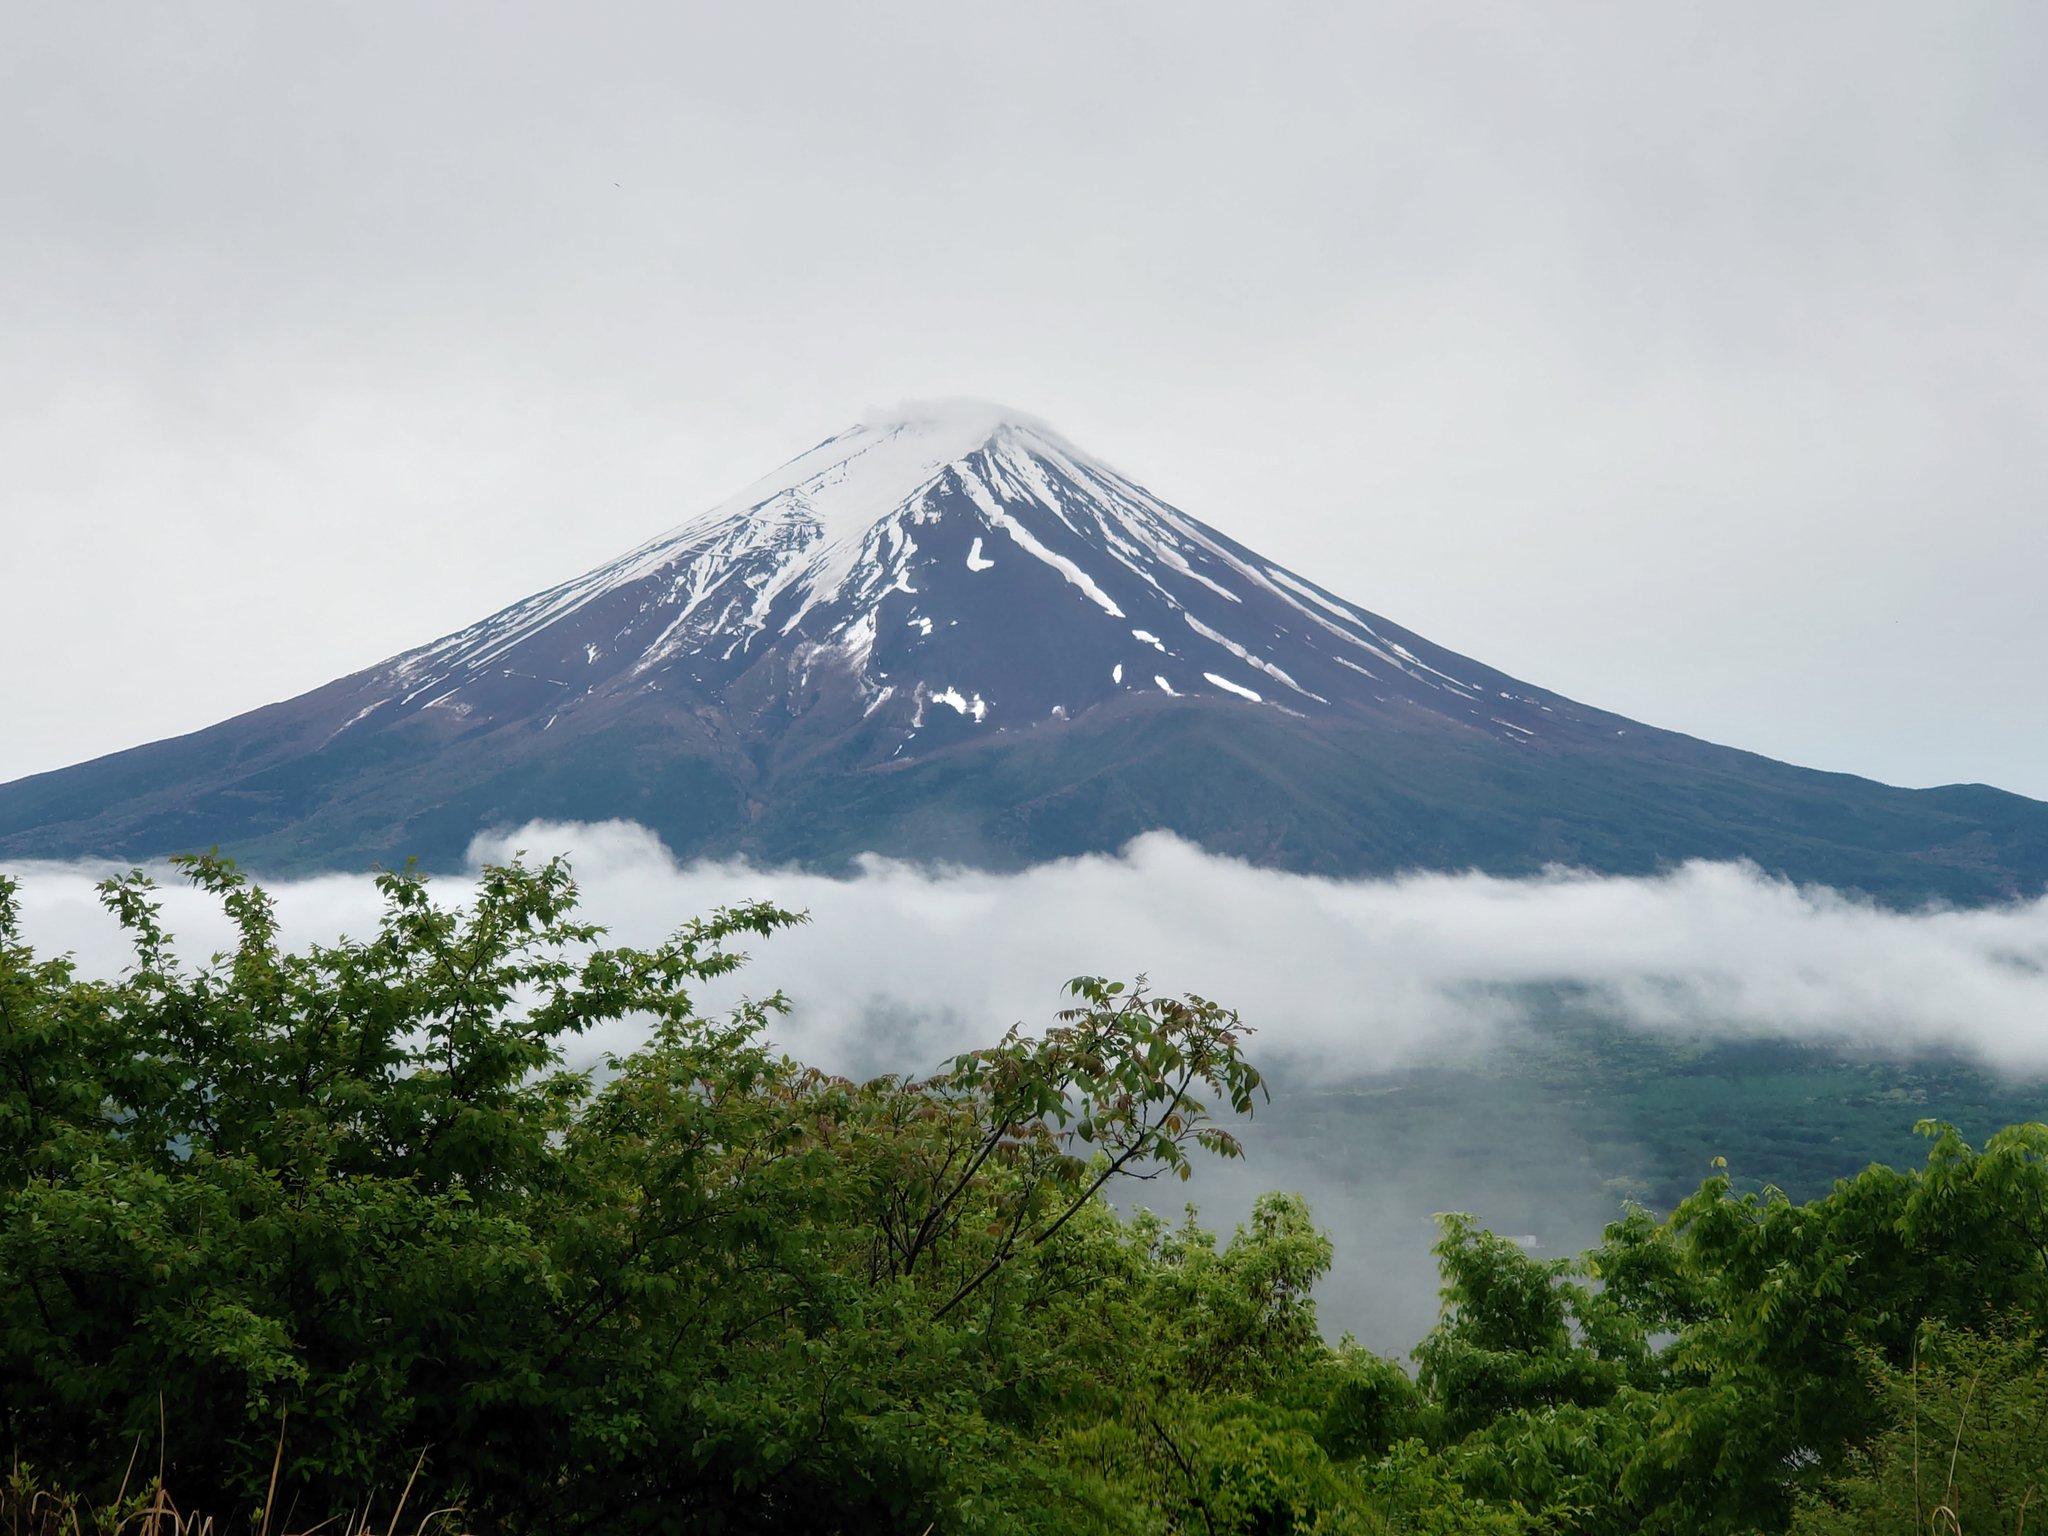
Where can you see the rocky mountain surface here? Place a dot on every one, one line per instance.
(953, 635)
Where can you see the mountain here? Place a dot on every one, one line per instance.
(951, 634)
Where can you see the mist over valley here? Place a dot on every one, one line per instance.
(1533, 1051)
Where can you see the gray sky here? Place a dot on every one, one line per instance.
(1691, 362)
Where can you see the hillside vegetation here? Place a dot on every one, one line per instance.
(280, 1232)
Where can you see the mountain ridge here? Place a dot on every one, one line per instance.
(952, 634)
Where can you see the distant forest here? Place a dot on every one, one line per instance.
(330, 1238)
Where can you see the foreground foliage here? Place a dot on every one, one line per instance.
(347, 1201)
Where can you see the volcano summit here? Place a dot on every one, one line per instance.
(951, 634)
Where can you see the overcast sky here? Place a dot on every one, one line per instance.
(1690, 361)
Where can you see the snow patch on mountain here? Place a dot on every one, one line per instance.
(954, 699)
(940, 554)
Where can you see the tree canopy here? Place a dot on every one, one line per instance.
(292, 1223)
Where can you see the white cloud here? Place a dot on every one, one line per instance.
(1362, 974)
(902, 966)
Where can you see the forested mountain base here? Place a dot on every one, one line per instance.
(345, 1202)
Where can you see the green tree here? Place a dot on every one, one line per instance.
(1706, 1372)
(348, 1197)
(1964, 1448)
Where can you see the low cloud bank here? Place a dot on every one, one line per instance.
(901, 965)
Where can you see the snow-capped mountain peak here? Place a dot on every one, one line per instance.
(948, 633)
(947, 569)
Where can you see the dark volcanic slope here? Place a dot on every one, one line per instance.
(952, 635)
